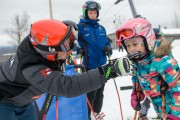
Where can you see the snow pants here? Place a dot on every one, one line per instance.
(9, 111)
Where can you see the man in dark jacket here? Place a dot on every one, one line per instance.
(35, 69)
(93, 40)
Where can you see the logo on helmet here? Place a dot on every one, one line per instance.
(51, 50)
(142, 28)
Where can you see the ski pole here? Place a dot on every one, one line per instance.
(90, 106)
(163, 108)
(136, 112)
(138, 96)
(135, 115)
(46, 106)
(117, 93)
(118, 99)
(163, 101)
(57, 108)
(164, 87)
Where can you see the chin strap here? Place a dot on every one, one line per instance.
(137, 56)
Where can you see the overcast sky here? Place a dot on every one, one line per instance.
(156, 11)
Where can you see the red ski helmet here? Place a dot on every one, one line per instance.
(51, 36)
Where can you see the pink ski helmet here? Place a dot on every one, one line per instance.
(137, 27)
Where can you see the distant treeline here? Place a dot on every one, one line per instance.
(7, 49)
(4, 58)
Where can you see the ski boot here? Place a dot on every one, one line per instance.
(142, 117)
(99, 116)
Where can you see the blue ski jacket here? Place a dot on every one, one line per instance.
(92, 38)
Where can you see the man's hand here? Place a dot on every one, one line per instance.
(116, 67)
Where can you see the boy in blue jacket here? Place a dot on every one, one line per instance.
(95, 46)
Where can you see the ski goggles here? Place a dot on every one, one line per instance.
(65, 45)
(124, 33)
(93, 6)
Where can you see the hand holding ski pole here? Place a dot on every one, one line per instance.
(136, 98)
(108, 50)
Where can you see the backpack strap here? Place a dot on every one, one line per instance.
(43, 112)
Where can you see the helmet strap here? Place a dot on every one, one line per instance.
(145, 44)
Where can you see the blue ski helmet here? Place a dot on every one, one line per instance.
(90, 5)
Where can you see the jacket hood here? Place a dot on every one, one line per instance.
(163, 47)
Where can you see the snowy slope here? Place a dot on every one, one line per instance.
(111, 105)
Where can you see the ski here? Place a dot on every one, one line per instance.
(126, 87)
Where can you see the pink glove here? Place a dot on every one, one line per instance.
(172, 117)
(135, 102)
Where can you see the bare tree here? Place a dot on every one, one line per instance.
(18, 30)
(176, 21)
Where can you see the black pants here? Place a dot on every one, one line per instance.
(96, 99)
(120, 48)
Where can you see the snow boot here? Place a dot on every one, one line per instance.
(142, 117)
(99, 116)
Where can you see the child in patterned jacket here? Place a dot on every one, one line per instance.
(156, 73)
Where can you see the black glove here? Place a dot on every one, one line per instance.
(108, 50)
(116, 67)
(80, 51)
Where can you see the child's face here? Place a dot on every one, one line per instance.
(135, 44)
(92, 14)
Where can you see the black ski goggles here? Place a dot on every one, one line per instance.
(65, 45)
(92, 6)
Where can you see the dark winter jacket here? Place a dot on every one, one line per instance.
(92, 38)
(159, 70)
(27, 75)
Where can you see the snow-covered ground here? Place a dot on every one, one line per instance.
(111, 105)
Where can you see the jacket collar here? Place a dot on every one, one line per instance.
(162, 48)
(89, 21)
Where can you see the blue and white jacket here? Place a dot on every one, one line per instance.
(92, 38)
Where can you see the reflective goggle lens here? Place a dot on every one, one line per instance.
(94, 6)
(68, 43)
(125, 34)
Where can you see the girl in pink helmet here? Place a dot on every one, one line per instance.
(156, 73)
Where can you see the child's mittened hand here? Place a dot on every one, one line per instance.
(135, 101)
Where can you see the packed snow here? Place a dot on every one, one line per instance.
(111, 105)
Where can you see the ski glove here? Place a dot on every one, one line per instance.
(108, 50)
(116, 67)
(172, 117)
(135, 100)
